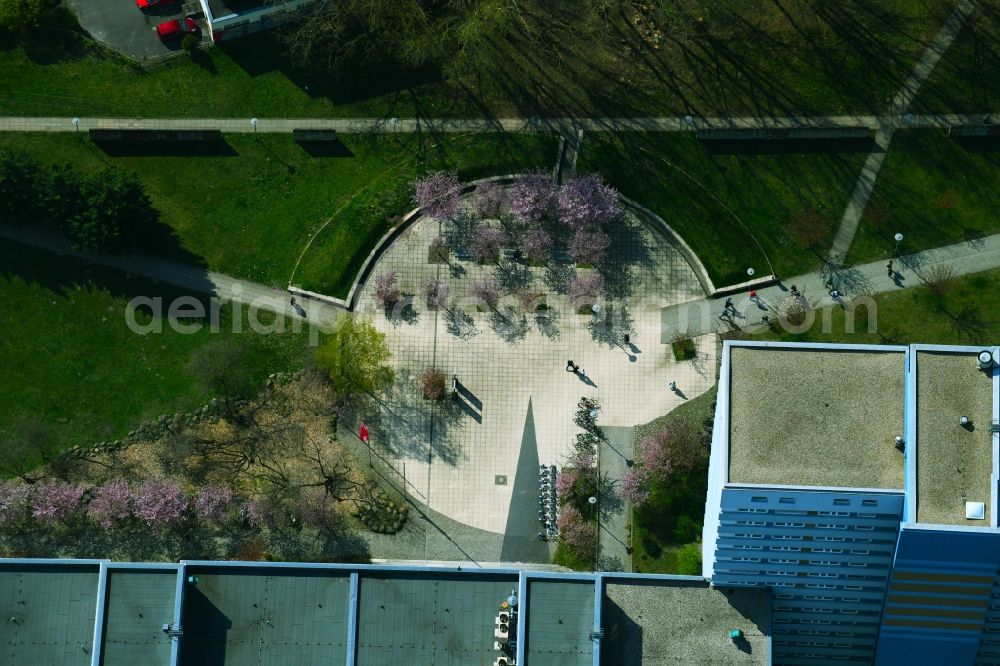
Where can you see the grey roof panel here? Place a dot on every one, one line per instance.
(444, 620)
(47, 614)
(560, 621)
(139, 603)
(244, 617)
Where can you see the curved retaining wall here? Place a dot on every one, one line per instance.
(649, 217)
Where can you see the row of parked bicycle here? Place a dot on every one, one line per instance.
(548, 505)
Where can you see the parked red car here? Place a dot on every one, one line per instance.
(146, 4)
(176, 28)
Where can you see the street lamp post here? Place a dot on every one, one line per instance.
(76, 124)
(592, 500)
(898, 237)
(750, 272)
(253, 122)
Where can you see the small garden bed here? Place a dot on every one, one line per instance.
(672, 459)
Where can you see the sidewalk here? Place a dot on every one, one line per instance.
(614, 540)
(194, 278)
(449, 125)
(703, 316)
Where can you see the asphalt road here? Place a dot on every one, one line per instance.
(123, 26)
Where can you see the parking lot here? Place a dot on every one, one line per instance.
(123, 26)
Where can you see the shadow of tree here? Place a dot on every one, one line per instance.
(460, 324)
(558, 276)
(510, 325)
(512, 276)
(547, 322)
(612, 325)
(407, 425)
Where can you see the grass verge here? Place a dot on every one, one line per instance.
(731, 209)
(71, 360)
(250, 211)
(952, 314)
(933, 191)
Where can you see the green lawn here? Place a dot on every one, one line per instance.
(934, 192)
(69, 358)
(252, 213)
(961, 316)
(725, 205)
(731, 57)
(656, 541)
(245, 79)
(967, 79)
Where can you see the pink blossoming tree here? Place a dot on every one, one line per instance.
(486, 289)
(585, 289)
(634, 487)
(213, 502)
(537, 246)
(588, 200)
(532, 196)
(437, 194)
(159, 502)
(15, 501)
(487, 244)
(56, 500)
(435, 293)
(111, 503)
(577, 533)
(386, 290)
(589, 245)
(489, 200)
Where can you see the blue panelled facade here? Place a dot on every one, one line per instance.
(943, 590)
(826, 554)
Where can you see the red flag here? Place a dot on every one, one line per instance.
(363, 433)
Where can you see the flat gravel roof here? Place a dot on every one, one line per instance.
(954, 463)
(655, 623)
(816, 417)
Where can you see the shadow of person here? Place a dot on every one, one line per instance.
(897, 279)
(582, 376)
(679, 393)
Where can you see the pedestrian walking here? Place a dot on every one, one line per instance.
(628, 339)
(729, 304)
(293, 301)
(570, 366)
(834, 294)
(673, 386)
(795, 291)
(753, 295)
(888, 268)
(765, 320)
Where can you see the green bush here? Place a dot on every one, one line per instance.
(684, 349)
(689, 559)
(189, 43)
(106, 212)
(686, 529)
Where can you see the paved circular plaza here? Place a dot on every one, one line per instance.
(475, 457)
